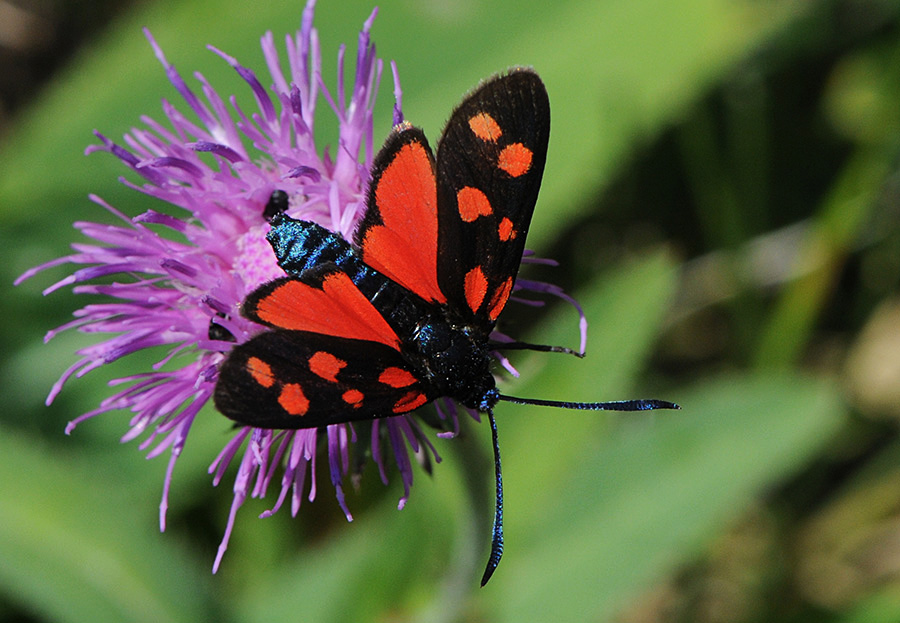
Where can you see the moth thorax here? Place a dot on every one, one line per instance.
(455, 360)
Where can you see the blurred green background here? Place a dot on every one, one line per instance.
(722, 194)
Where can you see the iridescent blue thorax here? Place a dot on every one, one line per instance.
(451, 357)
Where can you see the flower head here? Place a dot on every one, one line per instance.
(175, 278)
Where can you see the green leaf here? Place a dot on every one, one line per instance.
(438, 545)
(374, 565)
(618, 72)
(881, 605)
(654, 493)
(613, 80)
(75, 547)
(624, 312)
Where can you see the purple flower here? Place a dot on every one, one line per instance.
(175, 280)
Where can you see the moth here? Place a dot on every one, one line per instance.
(402, 314)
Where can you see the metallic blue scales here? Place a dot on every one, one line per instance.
(302, 245)
(494, 145)
(449, 355)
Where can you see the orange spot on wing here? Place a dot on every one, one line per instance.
(515, 159)
(484, 127)
(472, 203)
(338, 309)
(498, 301)
(405, 247)
(475, 287)
(410, 401)
(396, 377)
(326, 365)
(505, 230)
(293, 400)
(353, 397)
(260, 371)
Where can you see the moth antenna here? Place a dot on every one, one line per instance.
(538, 347)
(497, 530)
(617, 405)
(622, 405)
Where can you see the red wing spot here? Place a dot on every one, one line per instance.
(260, 371)
(326, 365)
(484, 127)
(515, 159)
(472, 203)
(476, 288)
(293, 400)
(353, 397)
(396, 377)
(498, 301)
(505, 230)
(410, 401)
(338, 309)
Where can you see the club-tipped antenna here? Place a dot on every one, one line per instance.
(618, 405)
(497, 530)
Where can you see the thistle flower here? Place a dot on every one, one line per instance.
(177, 284)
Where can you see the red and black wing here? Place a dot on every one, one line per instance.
(451, 232)
(296, 379)
(399, 233)
(454, 232)
(322, 300)
(331, 359)
(489, 165)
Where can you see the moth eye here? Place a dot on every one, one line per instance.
(278, 203)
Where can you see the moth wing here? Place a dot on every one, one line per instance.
(490, 161)
(297, 379)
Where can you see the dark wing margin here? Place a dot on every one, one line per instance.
(490, 161)
(295, 379)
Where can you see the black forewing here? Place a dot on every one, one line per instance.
(488, 244)
(297, 379)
